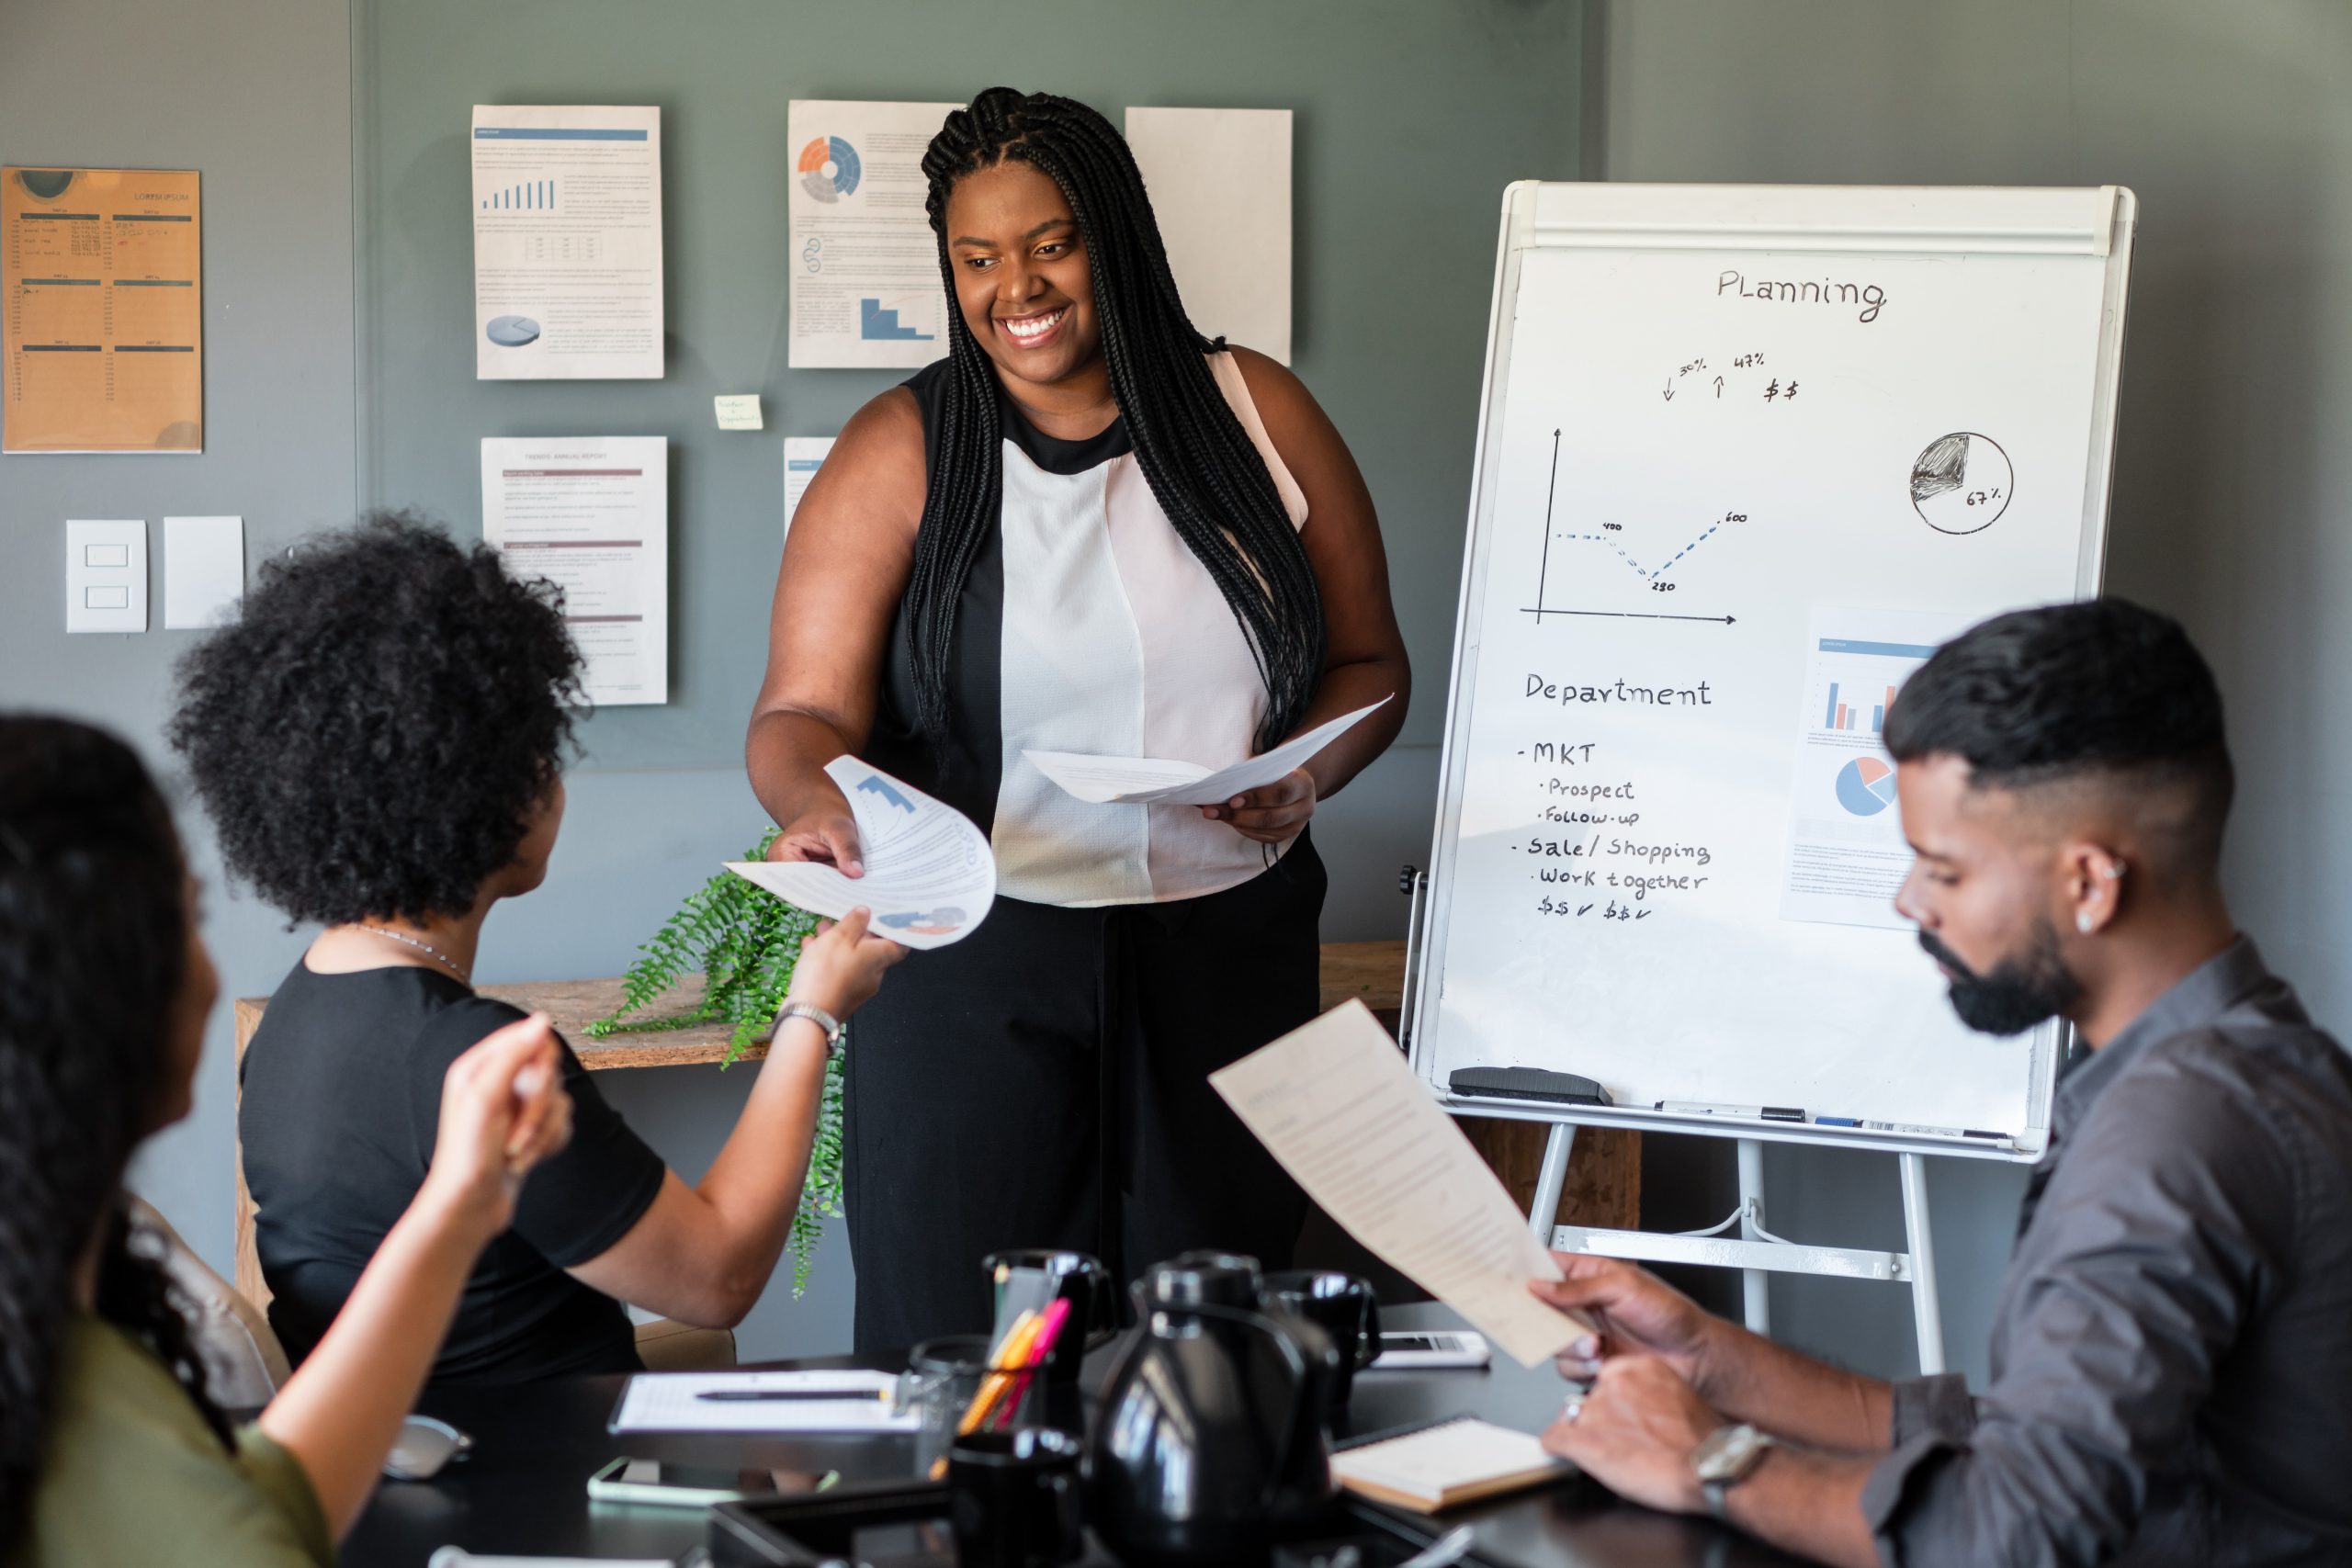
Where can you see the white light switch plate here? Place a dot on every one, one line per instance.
(106, 575)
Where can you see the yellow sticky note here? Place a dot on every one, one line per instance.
(739, 411)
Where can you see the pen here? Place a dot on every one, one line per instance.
(836, 1394)
(1752, 1113)
(1914, 1128)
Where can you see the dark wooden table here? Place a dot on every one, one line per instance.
(524, 1488)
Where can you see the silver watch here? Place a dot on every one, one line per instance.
(818, 1016)
(1727, 1456)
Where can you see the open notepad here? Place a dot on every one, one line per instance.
(1437, 1467)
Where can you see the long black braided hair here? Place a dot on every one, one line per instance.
(93, 953)
(1202, 465)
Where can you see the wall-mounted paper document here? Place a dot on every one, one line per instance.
(762, 1402)
(567, 207)
(803, 455)
(204, 571)
(1220, 187)
(592, 516)
(1155, 781)
(1336, 1103)
(929, 876)
(862, 260)
(101, 311)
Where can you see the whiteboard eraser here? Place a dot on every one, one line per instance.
(1527, 1083)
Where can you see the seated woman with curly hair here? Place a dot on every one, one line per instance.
(380, 739)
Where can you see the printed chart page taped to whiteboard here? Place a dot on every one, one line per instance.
(1729, 500)
(930, 875)
(1336, 1104)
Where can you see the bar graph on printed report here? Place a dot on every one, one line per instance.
(1844, 714)
(531, 196)
(1854, 680)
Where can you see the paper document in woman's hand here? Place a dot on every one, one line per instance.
(929, 876)
(1151, 781)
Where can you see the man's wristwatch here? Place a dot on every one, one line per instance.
(1727, 1456)
(818, 1016)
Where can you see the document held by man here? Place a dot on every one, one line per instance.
(930, 875)
(1335, 1102)
(592, 516)
(567, 242)
(1151, 781)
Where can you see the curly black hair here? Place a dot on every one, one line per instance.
(372, 735)
(94, 947)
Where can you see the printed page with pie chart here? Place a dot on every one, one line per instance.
(1847, 854)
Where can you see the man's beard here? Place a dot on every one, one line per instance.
(2020, 992)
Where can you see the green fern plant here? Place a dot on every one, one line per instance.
(745, 942)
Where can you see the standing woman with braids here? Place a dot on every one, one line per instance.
(111, 1453)
(1088, 529)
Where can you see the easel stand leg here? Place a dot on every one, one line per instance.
(1755, 1284)
(1923, 1264)
(1550, 1179)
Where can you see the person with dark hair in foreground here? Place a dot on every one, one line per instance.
(2172, 1348)
(111, 1450)
(1090, 529)
(380, 738)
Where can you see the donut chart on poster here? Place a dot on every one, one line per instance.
(828, 168)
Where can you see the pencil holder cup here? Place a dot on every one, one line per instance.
(1033, 1277)
(944, 1382)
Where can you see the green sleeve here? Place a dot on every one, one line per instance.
(280, 1476)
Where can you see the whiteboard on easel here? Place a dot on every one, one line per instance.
(1746, 455)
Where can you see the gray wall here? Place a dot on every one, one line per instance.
(2234, 123)
(1443, 102)
(255, 94)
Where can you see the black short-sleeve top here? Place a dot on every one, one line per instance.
(342, 1102)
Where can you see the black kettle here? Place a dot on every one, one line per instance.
(1211, 1436)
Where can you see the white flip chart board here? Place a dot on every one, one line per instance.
(1745, 455)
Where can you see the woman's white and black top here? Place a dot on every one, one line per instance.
(1088, 625)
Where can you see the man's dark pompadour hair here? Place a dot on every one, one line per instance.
(2066, 691)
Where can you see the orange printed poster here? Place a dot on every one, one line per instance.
(101, 311)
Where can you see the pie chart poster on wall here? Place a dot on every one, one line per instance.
(863, 261)
(1748, 453)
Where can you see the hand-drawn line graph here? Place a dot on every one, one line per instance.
(1653, 577)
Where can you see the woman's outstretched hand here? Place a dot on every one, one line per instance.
(1272, 813)
(840, 966)
(825, 834)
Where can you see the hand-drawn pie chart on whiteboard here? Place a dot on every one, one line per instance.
(1865, 786)
(1961, 482)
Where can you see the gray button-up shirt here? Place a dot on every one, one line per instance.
(2172, 1350)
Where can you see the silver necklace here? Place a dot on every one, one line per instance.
(427, 949)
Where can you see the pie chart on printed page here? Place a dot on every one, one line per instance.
(1865, 786)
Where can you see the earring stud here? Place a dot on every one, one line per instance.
(2082, 922)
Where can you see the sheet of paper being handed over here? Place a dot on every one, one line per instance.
(929, 876)
(1336, 1104)
(1148, 780)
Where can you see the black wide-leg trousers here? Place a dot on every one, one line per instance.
(1045, 1083)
